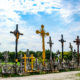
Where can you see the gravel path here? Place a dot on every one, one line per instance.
(53, 76)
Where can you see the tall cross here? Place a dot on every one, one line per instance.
(62, 42)
(50, 44)
(16, 34)
(32, 61)
(25, 62)
(77, 41)
(43, 34)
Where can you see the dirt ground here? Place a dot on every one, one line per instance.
(53, 76)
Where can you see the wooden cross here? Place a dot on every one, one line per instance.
(62, 42)
(70, 46)
(32, 61)
(16, 34)
(43, 34)
(77, 41)
(50, 44)
(25, 62)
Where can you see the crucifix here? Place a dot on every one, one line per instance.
(43, 34)
(16, 34)
(62, 42)
(50, 44)
(77, 41)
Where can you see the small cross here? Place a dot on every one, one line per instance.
(32, 60)
(43, 34)
(70, 46)
(25, 62)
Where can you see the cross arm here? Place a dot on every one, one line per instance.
(20, 33)
(11, 32)
(47, 34)
(37, 32)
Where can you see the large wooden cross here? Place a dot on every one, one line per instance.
(16, 34)
(43, 34)
(62, 42)
(77, 41)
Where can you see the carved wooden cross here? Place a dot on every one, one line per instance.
(43, 34)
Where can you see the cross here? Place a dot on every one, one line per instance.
(50, 44)
(32, 60)
(25, 62)
(16, 34)
(43, 34)
(77, 41)
(70, 46)
(62, 42)
(58, 53)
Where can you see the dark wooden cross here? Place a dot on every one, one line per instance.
(50, 44)
(62, 42)
(77, 41)
(16, 34)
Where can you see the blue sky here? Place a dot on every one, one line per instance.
(58, 17)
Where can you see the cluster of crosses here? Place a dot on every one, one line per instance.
(43, 34)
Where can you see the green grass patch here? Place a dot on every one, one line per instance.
(78, 74)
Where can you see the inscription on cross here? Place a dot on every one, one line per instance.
(77, 41)
(16, 34)
(62, 43)
(43, 34)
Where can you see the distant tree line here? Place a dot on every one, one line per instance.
(38, 54)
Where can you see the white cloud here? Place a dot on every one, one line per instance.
(10, 14)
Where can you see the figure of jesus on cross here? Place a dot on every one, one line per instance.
(16, 34)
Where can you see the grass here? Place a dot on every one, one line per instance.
(78, 74)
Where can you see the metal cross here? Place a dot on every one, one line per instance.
(16, 34)
(62, 42)
(43, 34)
(77, 41)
